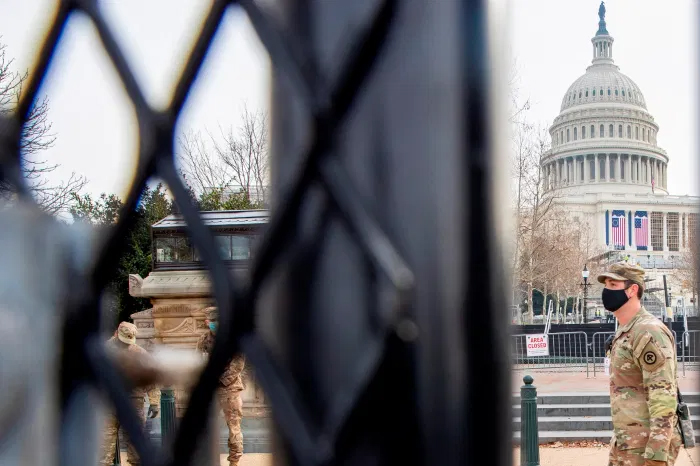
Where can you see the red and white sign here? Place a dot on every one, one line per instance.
(537, 345)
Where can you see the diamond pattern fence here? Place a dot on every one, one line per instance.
(428, 380)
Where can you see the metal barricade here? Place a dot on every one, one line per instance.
(598, 350)
(689, 357)
(568, 351)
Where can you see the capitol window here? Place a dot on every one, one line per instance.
(579, 94)
(567, 135)
(616, 92)
(586, 92)
(636, 130)
(672, 235)
(592, 131)
(601, 92)
(610, 131)
(608, 91)
(593, 92)
(629, 132)
(583, 132)
(602, 169)
(623, 93)
(575, 134)
(602, 131)
(619, 131)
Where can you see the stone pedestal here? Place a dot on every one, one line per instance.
(177, 319)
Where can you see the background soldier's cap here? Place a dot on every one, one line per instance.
(127, 333)
(212, 313)
(624, 271)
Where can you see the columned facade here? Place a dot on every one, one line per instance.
(610, 175)
(613, 167)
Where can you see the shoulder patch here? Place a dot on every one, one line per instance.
(651, 357)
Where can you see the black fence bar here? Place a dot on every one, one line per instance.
(382, 228)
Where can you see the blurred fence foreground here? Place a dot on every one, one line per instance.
(355, 318)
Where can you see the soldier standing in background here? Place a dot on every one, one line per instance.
(125, 340)
(229, 390)
(643, 384)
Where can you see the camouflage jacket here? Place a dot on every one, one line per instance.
(232, 378)
(643, 396)
(153, 393)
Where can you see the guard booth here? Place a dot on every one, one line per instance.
(179, 290)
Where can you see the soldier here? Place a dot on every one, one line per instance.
(125, 340)
(643, 381)
(229, 390)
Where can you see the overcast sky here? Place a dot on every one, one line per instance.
(92, 118)
(655, 44)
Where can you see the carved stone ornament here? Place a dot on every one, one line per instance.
(135, 284)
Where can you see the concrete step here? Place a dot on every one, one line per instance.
(570, 423)
(549, 436)
(569, 398)
(589, 398)
(601, 409)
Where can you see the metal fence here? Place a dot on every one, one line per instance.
(356, 261)
(572, 351)
(598, 351)
(690, 358)
(567, 351)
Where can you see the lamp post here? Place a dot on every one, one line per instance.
(585, 285)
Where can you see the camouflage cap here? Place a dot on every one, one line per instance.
(211, 313)
(623, 271)
(127, 333)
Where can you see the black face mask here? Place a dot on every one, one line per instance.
(614, 299)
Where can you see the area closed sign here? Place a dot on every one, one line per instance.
(537, 345)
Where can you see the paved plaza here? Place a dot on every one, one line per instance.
(570, 383)
(548, 457)
(590, 457)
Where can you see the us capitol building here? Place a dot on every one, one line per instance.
(608, 170)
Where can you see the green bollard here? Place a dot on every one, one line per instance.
(529, 435)
(167, 415)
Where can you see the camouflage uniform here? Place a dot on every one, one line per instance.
(229, 395)
(109, 440)
(643, 382)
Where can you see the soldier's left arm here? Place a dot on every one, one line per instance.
(152, 391)
(655, 355)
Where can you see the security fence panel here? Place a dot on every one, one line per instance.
(359, 314)
(598, 351)
(567, 351)
(690, 358)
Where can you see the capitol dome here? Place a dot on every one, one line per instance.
(603, 83)
(604, 138)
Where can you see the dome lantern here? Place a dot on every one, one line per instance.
(602, 41)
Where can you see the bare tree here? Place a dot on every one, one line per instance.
(197, 166)
(536, 216)
(36, 137)
(246, 154)
(237, 162)
(687, 270)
